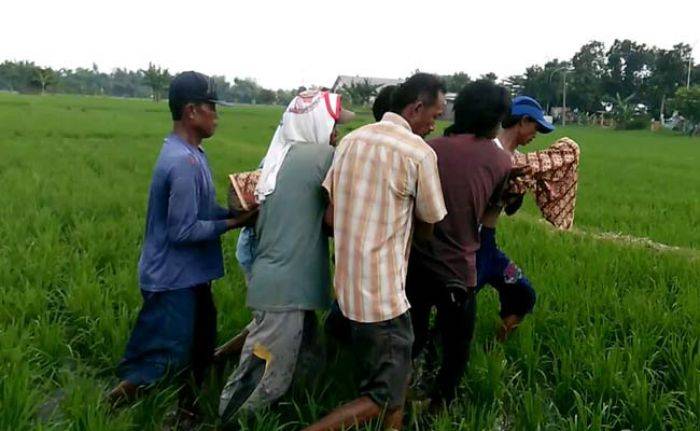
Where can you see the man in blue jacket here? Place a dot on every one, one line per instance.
(181, 254)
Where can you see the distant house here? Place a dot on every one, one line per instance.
(558, 112)
(448, 114)
(345, 81)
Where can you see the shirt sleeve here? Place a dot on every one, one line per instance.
(221, 213)
(500, 191)
(328, 183)
(183, 224)
(430, 204)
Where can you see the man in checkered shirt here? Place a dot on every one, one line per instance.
(383, 177)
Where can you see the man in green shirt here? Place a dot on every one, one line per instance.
(290, 275)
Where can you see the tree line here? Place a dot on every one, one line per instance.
(628, 76)
(152, 82)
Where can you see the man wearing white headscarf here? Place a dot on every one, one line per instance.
(309, 118)
(290, 274)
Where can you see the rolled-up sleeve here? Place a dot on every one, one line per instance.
(328, 183)
(183, 223)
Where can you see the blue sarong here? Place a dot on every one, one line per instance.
(176, 329)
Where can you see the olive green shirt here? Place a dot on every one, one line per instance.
(291, 269)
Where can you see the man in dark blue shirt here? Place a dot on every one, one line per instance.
(181, 254)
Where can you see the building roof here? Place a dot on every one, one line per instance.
(345, 80)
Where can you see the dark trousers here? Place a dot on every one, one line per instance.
(175, 331)
(456, 318)
(516, 295)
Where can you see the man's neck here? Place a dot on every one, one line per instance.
(187, 135)
(508, 139)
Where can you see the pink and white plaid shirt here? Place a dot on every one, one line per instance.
(382, 176)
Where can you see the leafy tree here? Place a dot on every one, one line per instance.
(19, 76)
(585, 90)
(623, 110)
(45, 76)
(127, 83)
(669, 72)
(687, 102)
(545, 83)
(266, 97)
(455, 82)
(629, 67)
(157, 79)
(515, 84)
(9, 75)
(695, 74)
(222, 87)
(489, 77)
(283, 97)
(361, 92)
(245, 90)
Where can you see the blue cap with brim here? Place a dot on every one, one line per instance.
(523, 105)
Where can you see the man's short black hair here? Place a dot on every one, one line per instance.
(382, 103)
(421, 86)
(513, 120)
(479, 108)
(177, 108)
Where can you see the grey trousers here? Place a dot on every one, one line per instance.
(268, 361)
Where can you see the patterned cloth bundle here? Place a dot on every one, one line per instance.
(553, 178)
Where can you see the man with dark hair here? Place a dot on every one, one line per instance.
(181, 254)
(413, 99)
(382, 103)
(442, 270)
(382, 177)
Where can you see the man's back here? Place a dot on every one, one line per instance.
(379, 172)
(291, 269)
(471, 171)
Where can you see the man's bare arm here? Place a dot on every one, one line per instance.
(328, 220)
(243, 219)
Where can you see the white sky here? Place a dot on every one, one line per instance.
(284, 44)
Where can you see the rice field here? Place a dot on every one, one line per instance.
(613, 342)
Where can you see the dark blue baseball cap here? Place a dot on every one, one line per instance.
(523, 105)
(193, 87)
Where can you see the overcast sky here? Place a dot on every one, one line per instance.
(284, 44)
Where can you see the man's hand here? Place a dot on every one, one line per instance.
(244, 219)
(460, 296)
(328, 220)
(520, 171)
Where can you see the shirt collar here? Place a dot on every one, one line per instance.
(176, 138)
(397, 119)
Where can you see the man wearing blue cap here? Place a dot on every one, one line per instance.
(442, 272)
(181, 253)
(516, 295)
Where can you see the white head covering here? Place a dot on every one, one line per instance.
(309, 119)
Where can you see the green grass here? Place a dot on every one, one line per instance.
(613, 342)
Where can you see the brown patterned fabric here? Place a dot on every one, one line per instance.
(553, 178)
(241, 194)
